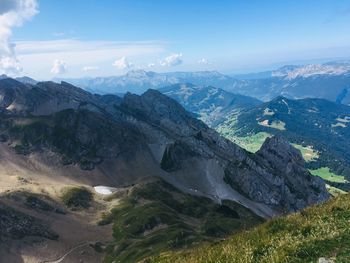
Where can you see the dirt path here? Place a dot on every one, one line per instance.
(60, 259)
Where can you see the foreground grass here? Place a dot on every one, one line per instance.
(319, 231)
(326, 174)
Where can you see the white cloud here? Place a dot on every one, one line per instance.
(59, 67)
(122, 63)
(90, 68)
(37, 56)
(172, 60)
(13, 13)
(204, 61)
(151, 65)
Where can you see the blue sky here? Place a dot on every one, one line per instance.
(75, 38)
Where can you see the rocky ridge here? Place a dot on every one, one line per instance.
(151, 133)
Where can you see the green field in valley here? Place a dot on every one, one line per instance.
(326, 174)
(308, 152)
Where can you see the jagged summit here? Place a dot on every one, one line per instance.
(288, 161)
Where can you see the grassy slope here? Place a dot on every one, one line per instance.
(319, 231)
(157, 217)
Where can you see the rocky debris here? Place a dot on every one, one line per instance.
(17, 225)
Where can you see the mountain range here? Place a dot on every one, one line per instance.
(173, 180)
(328, 81)
(211, 104)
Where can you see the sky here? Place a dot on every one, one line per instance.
(74, 38)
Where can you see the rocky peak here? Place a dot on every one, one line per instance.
(26, 80)
(12, 91)
(279, 147)
(162, 111)
(297, 187)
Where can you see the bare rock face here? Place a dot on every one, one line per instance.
(300, 188)
(277, 177)
(156, 108)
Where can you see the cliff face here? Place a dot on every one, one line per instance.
(285, 182)
(152, 136)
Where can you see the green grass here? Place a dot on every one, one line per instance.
(319, 231)
(279, 125)
(77, 197)
(309, 154)
(326, 174)
(157, 217)
(250, 143)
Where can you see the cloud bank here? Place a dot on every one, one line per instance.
(13, 13)
(171, 60)
(59, 67)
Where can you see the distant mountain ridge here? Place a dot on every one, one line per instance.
(329, 81)
(212, 104)
(305, 71)
(138, 81)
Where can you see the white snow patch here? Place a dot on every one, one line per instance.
(103, 190)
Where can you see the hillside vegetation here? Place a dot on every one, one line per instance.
(306, 236)
(156, 217)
